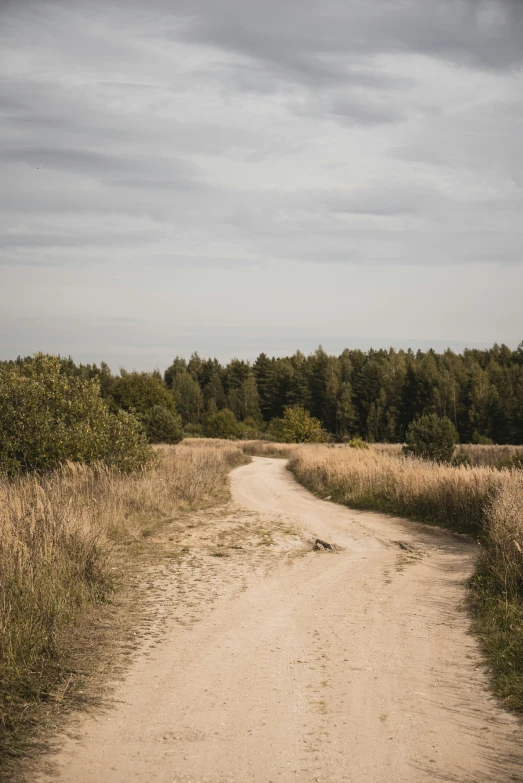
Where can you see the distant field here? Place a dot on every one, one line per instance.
(479, 455)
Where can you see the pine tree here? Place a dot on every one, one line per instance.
(262, 369)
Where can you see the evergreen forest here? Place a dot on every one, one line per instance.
(374, 395)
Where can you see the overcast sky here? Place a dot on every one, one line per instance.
(232, 176)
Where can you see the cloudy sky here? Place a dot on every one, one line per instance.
(232, 176)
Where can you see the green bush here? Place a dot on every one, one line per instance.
(515, 462)
(48, 417)
(222, 424)
(461, 459)
(138, 392)
(249, 429)
(162, 425)
(431, 437)
(481, 440)
(275, 430)
(192, 430)
(298, 426)
(358, 443)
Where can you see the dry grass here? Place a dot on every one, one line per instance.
(452, 497)
(483, 501)
(264, 448)
(488, 456)
(394, 449)
(205, 443)
(254, 448)
(498, 589)
(62, 538)
(480, 456)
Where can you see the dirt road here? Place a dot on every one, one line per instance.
(353, 667)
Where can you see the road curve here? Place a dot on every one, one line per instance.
(355, 667)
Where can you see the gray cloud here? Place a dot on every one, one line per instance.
(304, 42)
(115, 169)
(361, 110)
(293, 143)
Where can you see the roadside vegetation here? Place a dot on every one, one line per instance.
(431, 437)
(484, 502)
(263, 448)
(48, 417)
(471, 454)
(66, 538)
(82, 483)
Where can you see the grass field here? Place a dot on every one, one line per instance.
(480, 456)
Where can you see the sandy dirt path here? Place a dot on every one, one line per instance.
(354, 667)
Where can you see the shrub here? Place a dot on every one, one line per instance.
(249, 429)
(431, 437)
(298, 426)
(222, 424)
(48, 417)
(515, 462)
(162, 425)
(138, 392)
(275, 430)
(358, 443)
(126, 447)
(461, 459)
(481, 440)
(192, 430)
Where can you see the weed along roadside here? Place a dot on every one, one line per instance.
(72, 545)
(483, 502)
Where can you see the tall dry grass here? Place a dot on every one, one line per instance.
(483, 501)
(480, 456)
(452, 497)
(61, 536)
(488, 456)
(253, 448)
(264, 448)
(498, 588)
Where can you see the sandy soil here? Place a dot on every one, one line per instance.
(274, 663)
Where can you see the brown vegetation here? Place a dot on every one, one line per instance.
(448, 496)
(480, 456)
(485, 502)
(63, 538)
(253, 448)
(263, 448)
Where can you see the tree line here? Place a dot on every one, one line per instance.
(374, 395)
